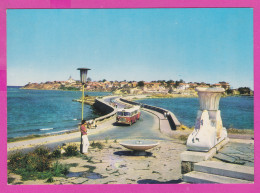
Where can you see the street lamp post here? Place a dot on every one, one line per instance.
(83, 80)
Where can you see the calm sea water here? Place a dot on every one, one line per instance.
(49, 112)
(44, 111)
(236, 112)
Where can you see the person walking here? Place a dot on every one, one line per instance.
(85, 142)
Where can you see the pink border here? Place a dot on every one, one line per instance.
(21, 4)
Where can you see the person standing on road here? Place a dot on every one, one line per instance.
(85, 142)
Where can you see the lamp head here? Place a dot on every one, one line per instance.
(83, 74)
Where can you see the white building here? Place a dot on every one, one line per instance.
(183, 86)
(71, 80)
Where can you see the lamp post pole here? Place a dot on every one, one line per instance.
(83, 80)
(83, 85)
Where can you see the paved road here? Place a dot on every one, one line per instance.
(112, 99)
(145, 128)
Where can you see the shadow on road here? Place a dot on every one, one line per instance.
(120, 124)
(149, 181)
(132, 153)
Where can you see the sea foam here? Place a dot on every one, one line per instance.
(63, 131)
(46, 129)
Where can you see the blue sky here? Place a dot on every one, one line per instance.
(197, 45)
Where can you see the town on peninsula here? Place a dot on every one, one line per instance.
(159, 88)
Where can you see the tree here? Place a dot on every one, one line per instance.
(89, 79)
(170, 90)
(104, 80)
(229, 91)
(169, 82)
(244, 90)
(177, 83)
(140, 84)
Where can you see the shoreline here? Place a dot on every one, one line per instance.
(61, 90)
(167, 95)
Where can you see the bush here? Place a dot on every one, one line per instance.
(30, 162)
(183, 137)
(37, 162)
(50, 180)
(16, 160)
(59, 169)
(42, 151)
(71, 150)
(56, 153)
(37, 165)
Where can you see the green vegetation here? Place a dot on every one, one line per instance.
(56, 153)
(10, 180)
(23, 138)
(42, 151)
(97, 145)
(107, 138)
(50, 180)
(70, 88)
(36, 165)
(240, 91)
(85, 157)
(140, 84)
(184, 127)
(71, 150)
(240, 131)
(244, 90)
(183, 137)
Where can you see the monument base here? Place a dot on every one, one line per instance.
(188, 158)
(205, 135)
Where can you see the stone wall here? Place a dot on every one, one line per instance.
(103, 107)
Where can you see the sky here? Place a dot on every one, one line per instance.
(194, 44)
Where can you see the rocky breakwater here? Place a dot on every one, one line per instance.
(90, 100)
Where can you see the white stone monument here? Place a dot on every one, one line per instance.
(208, 130)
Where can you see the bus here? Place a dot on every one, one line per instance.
(128, 116)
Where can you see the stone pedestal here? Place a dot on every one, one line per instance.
(209, 130)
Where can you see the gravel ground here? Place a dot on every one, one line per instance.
(115, 164)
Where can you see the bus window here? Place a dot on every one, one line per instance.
(127, 114)
(120, 113)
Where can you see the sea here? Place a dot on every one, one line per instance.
(236, 111)
(39, 112)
